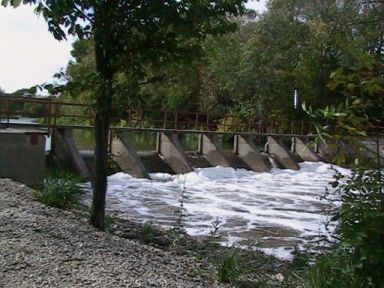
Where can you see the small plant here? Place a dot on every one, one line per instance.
(230, 268)
(149, 232)
(214, 237)
(357, 258)
(108, 221)
(60, 189)
(178, 232)
(335, 270)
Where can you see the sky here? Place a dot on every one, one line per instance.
(29, 55)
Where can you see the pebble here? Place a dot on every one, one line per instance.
(42, 246)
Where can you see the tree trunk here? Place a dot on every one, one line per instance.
(102, 123)
(103, 57)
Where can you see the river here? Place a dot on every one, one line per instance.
(271, 211)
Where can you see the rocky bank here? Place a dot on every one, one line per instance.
(42, 246)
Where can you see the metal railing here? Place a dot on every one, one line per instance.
(51, 113)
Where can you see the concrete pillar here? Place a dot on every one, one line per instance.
(328, 150)
(169, 147)
(22, 156)
(211, 148)
(65, 151)
(301, 147)
(126, 156)
(250, 154)
(281, 153)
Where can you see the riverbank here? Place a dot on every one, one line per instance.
(42, 246)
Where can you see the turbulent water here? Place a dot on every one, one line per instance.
(273, 211)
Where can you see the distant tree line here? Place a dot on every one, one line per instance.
(253, 71)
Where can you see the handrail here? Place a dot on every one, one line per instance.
(52, 113)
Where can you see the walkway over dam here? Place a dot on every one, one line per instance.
(255, 144)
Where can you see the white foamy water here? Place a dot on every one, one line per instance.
(273, 210)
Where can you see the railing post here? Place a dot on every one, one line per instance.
(302, 127)
(208, 121)
(176, 119)
(90, 117)
(56, 108)
(141, 118)
(49, 115)
(1, 108)
(129, 117)
(8, 111)
(165, 119)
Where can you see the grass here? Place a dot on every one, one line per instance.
(230, 268)
(60, 189)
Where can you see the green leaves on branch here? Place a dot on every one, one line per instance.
(360, 226)
(14, 3)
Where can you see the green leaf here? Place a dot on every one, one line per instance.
(15, 3)
(4, 3)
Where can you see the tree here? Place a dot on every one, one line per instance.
(127, 35)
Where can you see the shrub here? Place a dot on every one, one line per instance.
(230, 268)
(60, 189)
(149, 231)
(357, 260)
(335, 270)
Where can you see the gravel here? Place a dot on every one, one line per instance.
(42, 246)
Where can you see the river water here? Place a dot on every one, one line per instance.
(271, 211)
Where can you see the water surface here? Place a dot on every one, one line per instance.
(273, 211)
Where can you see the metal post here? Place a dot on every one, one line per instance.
(49, 115)
(176, 119)
(165, 119)
(7, 111)
(197, 120)
(141, 118)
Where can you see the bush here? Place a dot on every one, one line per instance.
(357, 260)
(60, 189)
(230, 268)
(335, 270)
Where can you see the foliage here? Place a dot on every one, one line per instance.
(360, 224)
(358, 113)
(230, 268)
(149, 231)
(60, 189)
(253, 71)
(128, 36)
(333, 270)
(178, 232)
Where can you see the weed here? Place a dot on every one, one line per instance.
(60, 189)
(214, 237)
(149, 232)
(178, 232)
(109, 219)
(230, 268)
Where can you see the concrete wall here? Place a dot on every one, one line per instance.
(66, 154)
(124, 154)
(212, 150)
(22, 156)
(250, 154)
(302, 148)
(280, 152)
(169, 148)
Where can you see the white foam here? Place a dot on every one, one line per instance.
(287, 203)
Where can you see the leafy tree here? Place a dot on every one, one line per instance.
(127, 35)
